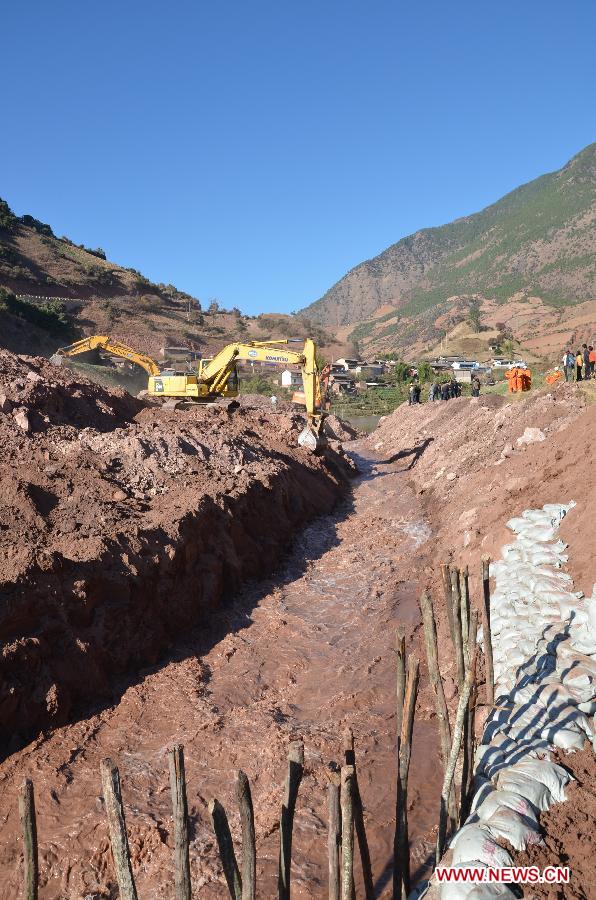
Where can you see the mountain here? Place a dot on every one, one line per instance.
(539, 241)
(59, 291)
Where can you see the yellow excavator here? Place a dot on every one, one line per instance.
(116, 348)
(218, 377)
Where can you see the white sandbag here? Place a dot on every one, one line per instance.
(551, 693)
(565, 738)
(534, 791)
(559, 510)
(552, 776)
(511, 826)
(476, 842)
(580, 681)
(567, 715)
(506, 799)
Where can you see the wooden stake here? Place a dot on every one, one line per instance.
(286, 824)
(465, 611)
(334, 834)
(400, 679)
(110, 779)
(350, 760)
(29, 826)
(486, 628)
(468, 738)
(457, 631)
(446, 573)
(348, 747)
(347, 830)
(397, 869)
(464, 699)
(407, 730)
(180, 817)
(249, 846)
(225, 843)
(430, 639)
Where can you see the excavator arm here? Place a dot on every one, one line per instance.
(215, 373)
(104, 342)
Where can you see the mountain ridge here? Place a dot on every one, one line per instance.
(79, 288)
(538, 240)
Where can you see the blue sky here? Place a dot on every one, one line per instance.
(255, 151)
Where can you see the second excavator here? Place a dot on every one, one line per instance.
(218, 377)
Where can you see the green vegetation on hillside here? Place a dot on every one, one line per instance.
(538, 239)
(49, 315)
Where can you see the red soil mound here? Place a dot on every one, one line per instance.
(121, 524)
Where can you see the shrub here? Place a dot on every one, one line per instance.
(49, 315)
(40, 227)
(7, 217)
(111, 311)
(97, 252)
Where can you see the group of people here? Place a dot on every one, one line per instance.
(448, 390)
(583, 361)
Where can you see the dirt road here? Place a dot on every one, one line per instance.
(303, 654)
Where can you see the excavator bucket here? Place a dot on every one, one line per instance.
(56, 359)
(308, 438)
(312, 436)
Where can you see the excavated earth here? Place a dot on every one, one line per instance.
(122, 524)
(127, 532)
(194, 577)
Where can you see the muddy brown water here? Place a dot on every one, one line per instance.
(303, 654)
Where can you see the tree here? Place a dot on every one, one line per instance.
(475, 315)
(213, 306)
(425, 371)
(509, 348)
(7, 217)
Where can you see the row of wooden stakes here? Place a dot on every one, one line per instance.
(346, 824)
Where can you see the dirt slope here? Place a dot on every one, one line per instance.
(475, 463)
(102, 297)
(106, 505)
(304, 653)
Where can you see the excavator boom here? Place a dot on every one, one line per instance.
(104, 342)
(215, 373)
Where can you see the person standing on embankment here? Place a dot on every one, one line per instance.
(586, 357)
(579, 361)
(568, 365)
